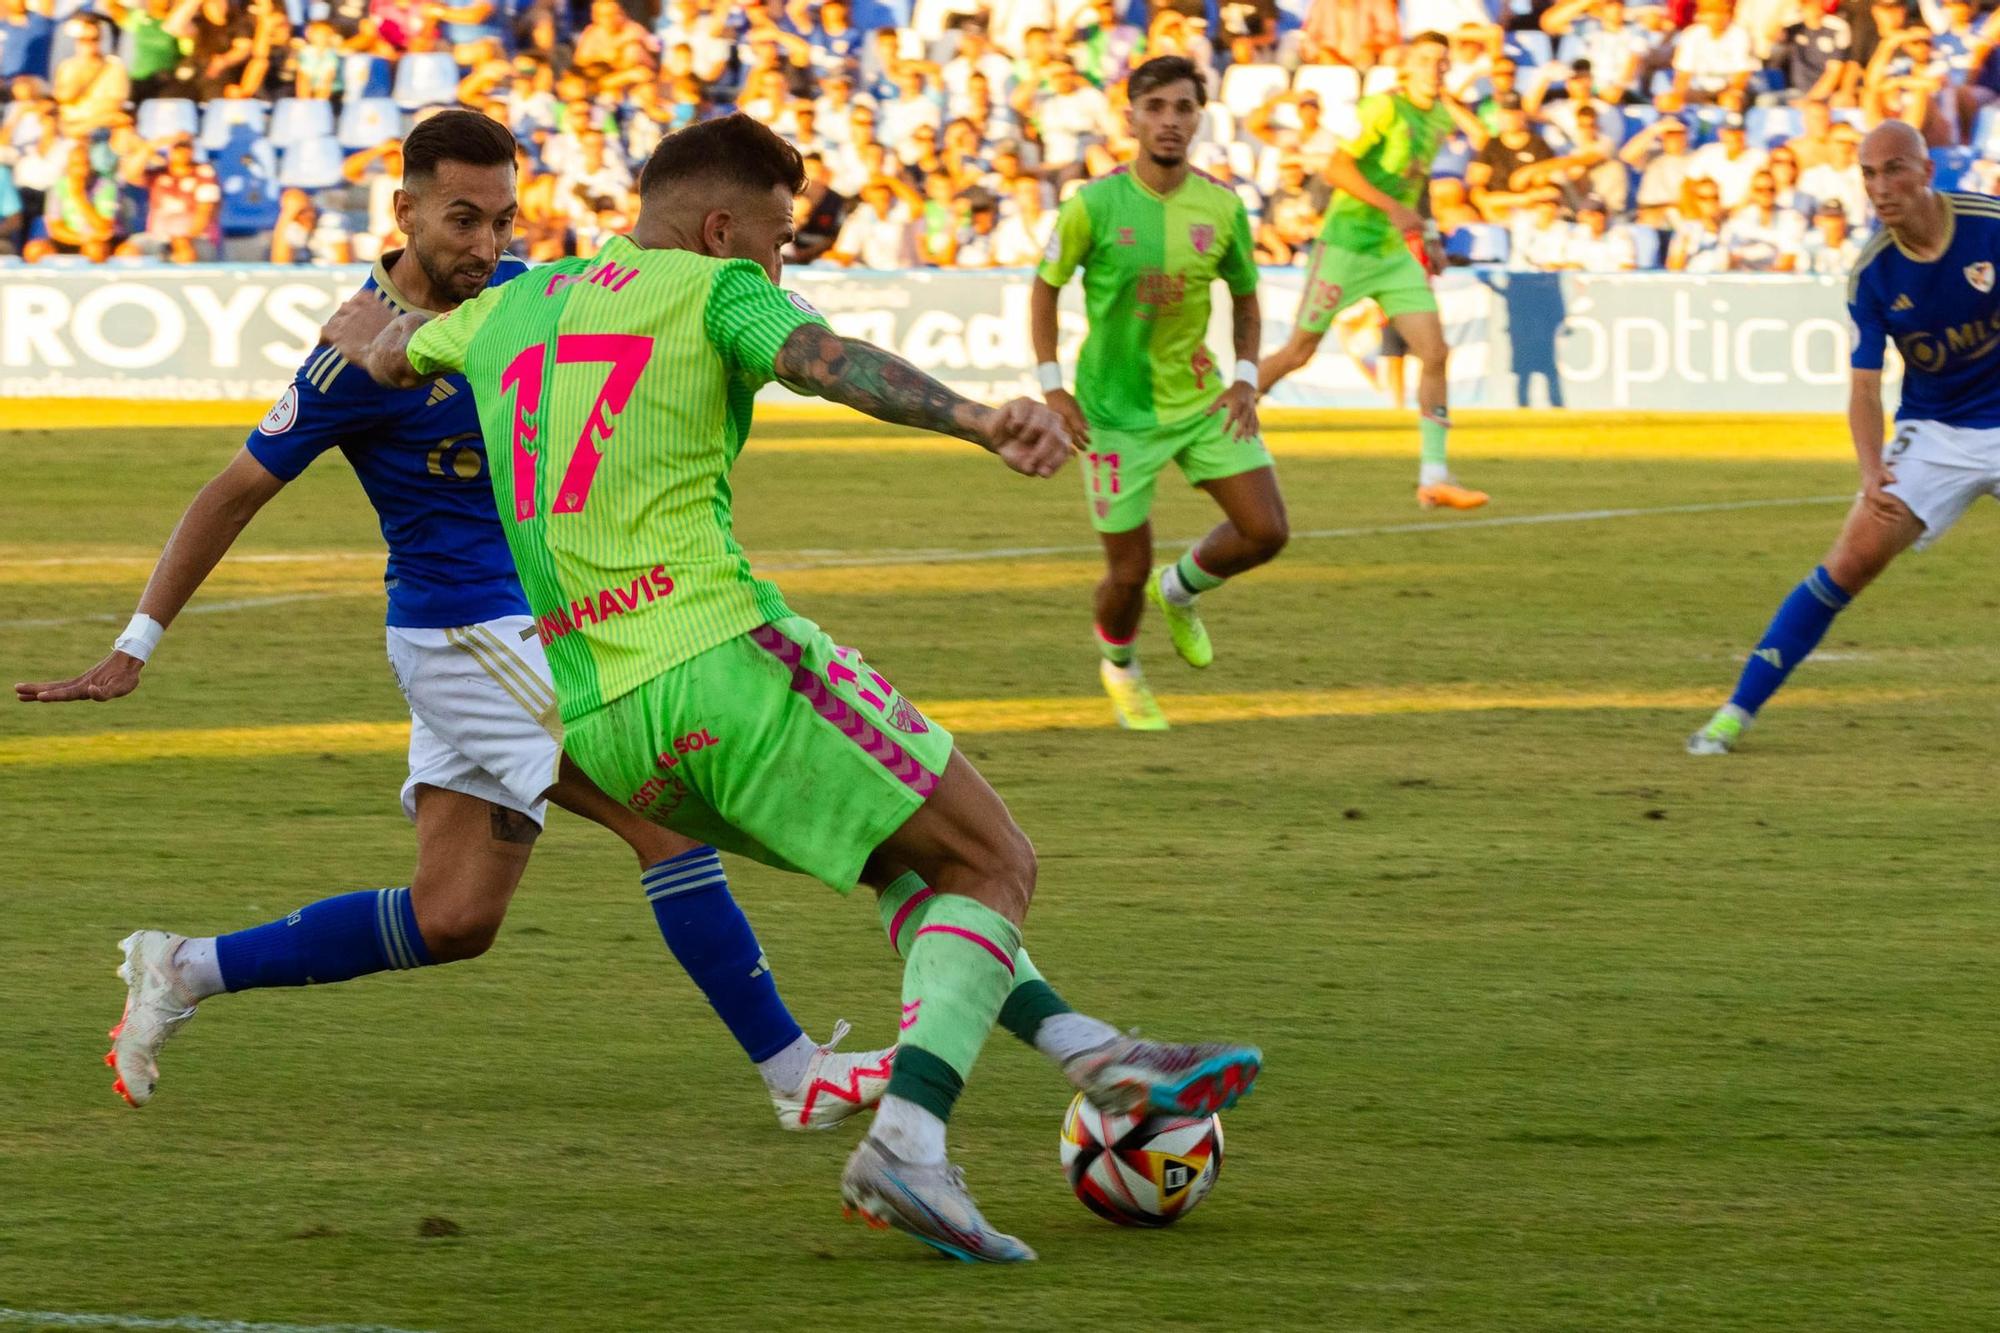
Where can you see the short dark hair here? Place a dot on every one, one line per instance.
(457, 135)
(732, 150)
(1163, 70)
(1429, 37)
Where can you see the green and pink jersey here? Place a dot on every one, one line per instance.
(1394, 147)
(1148, 261)
(614, 395)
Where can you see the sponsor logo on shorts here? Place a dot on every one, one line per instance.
(684, 746)
(283, 414)
(603, 604)
(651, 792)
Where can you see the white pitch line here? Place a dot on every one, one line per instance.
(835, 559)
(183, 1323)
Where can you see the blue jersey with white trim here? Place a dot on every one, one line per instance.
(421, 461)
(1943, 315)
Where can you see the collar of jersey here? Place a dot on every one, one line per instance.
(1132, 173)
(1950, 232)
(389, 290)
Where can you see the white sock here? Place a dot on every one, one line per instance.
(1173, 589)
(200, 973)
(1430, 474)
(1064, 1036)
(1739, 714)
(786, 1070)
(908, 1130)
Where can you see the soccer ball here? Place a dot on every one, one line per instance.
(1140, 1170)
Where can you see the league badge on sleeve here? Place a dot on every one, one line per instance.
(805, 306)
(285, 411)
(1980, 275)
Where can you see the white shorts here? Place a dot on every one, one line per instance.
(1940, 470)
(483, 717)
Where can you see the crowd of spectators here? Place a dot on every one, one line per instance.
(1684, 134)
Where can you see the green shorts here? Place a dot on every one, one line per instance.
(1122, 466)
(1337, 278)
(777, 745)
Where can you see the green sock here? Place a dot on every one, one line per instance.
(960, 969)
(1193, 577)
(1115, 652)
(905, 905)
(1430, 433)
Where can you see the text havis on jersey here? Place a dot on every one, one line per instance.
(602, 605)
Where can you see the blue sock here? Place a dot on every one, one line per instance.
(1800, 624)
(712, 939)
(334, 939)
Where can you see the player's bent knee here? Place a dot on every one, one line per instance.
(455, 933)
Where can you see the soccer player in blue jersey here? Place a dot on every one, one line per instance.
(485, 752)
(1927, 282)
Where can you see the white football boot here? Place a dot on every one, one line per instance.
(837, 1085)
(1130, 1076)
(926, 1200)
(156, 1007)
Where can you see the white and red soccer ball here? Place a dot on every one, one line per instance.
(1140, 1170)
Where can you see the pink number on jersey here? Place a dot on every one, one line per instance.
(627, 354)
(524, 374)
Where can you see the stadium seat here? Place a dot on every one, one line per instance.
(1242, 160)
(1952, 165)
(363, 75)
(1334, 85)
(1381, 79)
(1637, 117)
(247, 170)
(1217, 125)
(313, 164)
(425, 78)
(1533, 48)
(166, 115)
(1570, 49)
(1986, 131)
(1245, 87)
(1646, 246)
(1453, 156)
(1768, 126)
(367, 121)
(295, 120)
(224, 117)
(1478, 243)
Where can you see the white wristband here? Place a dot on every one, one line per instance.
(1050, 376)
(141, 636)
(1246, 373)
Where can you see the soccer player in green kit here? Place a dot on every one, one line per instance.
(615, 394)
(1151, 240)
(1371, 245)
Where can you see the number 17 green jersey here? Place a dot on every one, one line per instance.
(614, 395)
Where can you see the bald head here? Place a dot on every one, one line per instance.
(1896, 171)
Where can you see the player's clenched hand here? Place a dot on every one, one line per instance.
(1030, 437)
(355, 325)
(1065, 405)
(1239, 400)
(113, 678)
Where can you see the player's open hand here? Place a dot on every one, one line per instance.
(1030, 437)
(113, 678)
(355, 325)
(1065, 405)
(1239, 400)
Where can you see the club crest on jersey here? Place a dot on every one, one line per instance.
(1201, 235)
(1980, 275)
(285, 411)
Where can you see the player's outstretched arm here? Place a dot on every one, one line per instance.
(374, 337)
(205, 533)
(1028, 437)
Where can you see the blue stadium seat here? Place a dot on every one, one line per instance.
(247, 169)
(1638, 116)
(313, 164)
(166, 115)
(1478, 243)
(1769, 126)
(1952, 164)
(363, 75)
(1986, 131)
(1453, 156)
(223, 118)
(1532, 47)
(1646, 246)
(367, 121)
(425, 78)
(295, 120)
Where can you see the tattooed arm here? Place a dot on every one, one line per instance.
(1027, 436)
